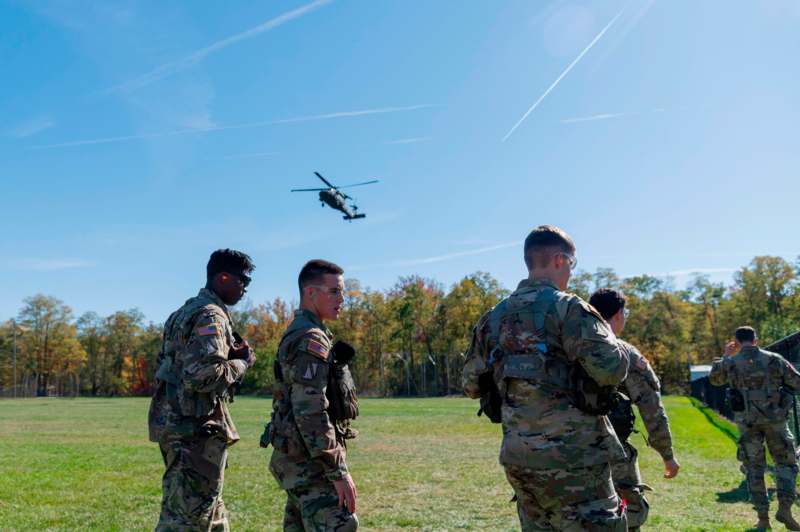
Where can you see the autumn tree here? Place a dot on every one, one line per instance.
(51, 352)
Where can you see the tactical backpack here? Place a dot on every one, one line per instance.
(540, 366)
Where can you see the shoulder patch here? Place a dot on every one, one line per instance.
(311, 371)
(641, 362)
(316, 348)
(208, 330)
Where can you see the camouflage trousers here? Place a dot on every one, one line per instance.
(192, 485)
(571, 500)
(629, 486)
(315, 508)
(780, 443)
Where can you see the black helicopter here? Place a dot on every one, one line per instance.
(336, 199)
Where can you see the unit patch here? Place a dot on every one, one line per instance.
(311, 371)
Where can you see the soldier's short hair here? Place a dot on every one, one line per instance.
(230, 261)
(543, 241)
(745, 334)
(608, 302)
(313, 271)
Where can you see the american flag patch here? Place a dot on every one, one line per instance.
(318, 349)
(641, 363)
(207, 330)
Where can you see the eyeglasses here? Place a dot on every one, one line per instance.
(333, 291)
(573, 261)
(244, 279)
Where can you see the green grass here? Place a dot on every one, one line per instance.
(419, 464)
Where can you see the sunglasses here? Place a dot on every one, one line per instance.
(244, 279)
(573, 262)
(334, 291)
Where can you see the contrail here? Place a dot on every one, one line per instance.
(604, 116)
(195, 57)
(411, 140)
(437, 258)
(566, 71)
(328, 116)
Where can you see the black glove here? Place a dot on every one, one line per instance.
(343, 353)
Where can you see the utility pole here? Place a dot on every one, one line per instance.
(14, 333)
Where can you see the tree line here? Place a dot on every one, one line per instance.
(410, 339)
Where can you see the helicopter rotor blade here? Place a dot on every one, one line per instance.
(324, 180)
(307, 189)
(359, 184)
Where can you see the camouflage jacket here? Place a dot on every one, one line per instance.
(194, 374)
(765, 379)
(541, 427)
(643, 388)
(304, 441)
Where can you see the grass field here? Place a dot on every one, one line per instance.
(419, 464)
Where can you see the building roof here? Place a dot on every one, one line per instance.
(698, 371)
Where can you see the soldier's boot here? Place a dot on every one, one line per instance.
(763, 521)
(784, 516)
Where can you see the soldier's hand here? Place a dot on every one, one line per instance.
(243, 351)
(731, 348)
(671, 468)
(346, 490)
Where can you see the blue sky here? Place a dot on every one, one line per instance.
(137, 137)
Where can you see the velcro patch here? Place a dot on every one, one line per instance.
(208, 330)
(318, 349)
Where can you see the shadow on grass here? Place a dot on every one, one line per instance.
(714, 419)
(738, 494)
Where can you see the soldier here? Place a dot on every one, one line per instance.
(762, 387)
(640, 387)
(308, 457)
(200, 360)
(545, 349)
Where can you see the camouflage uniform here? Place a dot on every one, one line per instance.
(189, 417)
(556, 457)
(642, 387)
(767, 381)
(308, 453)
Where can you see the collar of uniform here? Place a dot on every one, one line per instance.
(535, 283)
(209, 294)
(749, 349)
(310, 316)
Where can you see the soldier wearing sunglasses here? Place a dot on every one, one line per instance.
(200, 361)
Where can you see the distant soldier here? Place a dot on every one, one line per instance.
(313, 401)
(200, 361)
(547, 352)
(640, 387)
(762, 387)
